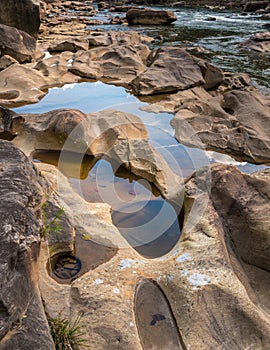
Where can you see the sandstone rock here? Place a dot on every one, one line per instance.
(205, 278)
(10, 124)
(16, 43)
(258, 42)
(26, 83)
(22, 85)
(170, 69)
(238, 125)
(23, 15)
(117, 64)
(23, 323)
(148, 16)
(118, 136)
(6, 61)
(71, 44)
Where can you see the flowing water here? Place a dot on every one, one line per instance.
(220, 38)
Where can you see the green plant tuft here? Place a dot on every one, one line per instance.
(51, 225)
(67, 334)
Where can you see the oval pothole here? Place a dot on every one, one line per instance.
(155, 321)
(64, 267)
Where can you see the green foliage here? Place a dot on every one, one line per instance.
(52, 225)
(67, 334)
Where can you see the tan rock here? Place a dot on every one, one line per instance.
(227, 124)
(16, 43)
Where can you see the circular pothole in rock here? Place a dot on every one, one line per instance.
(64, 267)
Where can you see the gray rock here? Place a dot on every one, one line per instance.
(22, 320)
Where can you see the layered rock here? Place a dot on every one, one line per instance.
(23, 15)
(22, 319)
(148, 16)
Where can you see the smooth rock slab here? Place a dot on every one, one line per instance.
(155, 322)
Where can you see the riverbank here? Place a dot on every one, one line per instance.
(196, 240)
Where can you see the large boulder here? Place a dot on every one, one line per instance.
(258, 42)
(170, 69)
(16, 43)
(21, 14)
(22, 319)
(237, 123)
(148, 16)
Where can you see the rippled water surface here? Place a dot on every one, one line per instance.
(220, 37)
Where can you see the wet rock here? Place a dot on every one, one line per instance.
(16, 14)
(148, 16)
(16, 43)
(23, 323)
(227, 124)
(156, 324)
(258, 42)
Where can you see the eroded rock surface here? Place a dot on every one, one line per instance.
(237, 123)
(208, 279)
(170, 69)
(22, 319)
(16, 43)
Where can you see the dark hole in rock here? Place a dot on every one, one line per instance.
(6, 135)
(155, 322)
(64, 267)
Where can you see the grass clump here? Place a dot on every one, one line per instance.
(67, 334)
(52, 225)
